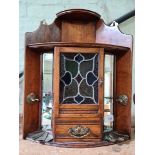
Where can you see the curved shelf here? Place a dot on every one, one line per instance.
(49, 45)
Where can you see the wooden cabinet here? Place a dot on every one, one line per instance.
(79, 40)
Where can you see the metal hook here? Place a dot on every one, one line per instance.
(32, 98)
(122, 99)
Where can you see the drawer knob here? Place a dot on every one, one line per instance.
(79, 131)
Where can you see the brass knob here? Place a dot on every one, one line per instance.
(32, 98)
(122, 99)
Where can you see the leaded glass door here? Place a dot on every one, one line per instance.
(78, 89)
(79, 78)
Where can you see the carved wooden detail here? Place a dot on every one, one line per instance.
(79, 19)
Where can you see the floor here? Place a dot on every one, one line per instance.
(31, 148)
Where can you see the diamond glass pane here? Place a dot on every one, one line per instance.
(78, 78)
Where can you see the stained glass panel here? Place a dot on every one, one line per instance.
(79, 78)
(85, 89)
(71, 90)
(85, 67)
(72, 67)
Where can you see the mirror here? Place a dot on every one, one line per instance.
(108, 92)
(47, 91)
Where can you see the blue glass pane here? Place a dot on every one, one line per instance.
(66, 78)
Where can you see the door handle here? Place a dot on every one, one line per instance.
(32, 98)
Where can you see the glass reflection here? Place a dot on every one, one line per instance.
(108, 92)
(47, 91)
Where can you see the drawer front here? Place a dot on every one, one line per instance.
(78, 120)
(80, 132)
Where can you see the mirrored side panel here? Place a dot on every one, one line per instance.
(47, 91)
(108, 92)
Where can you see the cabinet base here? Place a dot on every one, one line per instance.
(46, 138)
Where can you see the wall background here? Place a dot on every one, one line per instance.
(31, 12)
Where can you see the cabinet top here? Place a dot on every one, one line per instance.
(78, 14)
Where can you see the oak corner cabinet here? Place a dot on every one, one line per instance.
(80, 42)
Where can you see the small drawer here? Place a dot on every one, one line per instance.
(76, 131)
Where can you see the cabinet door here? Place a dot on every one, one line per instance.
(78, 77)
(78, 87)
